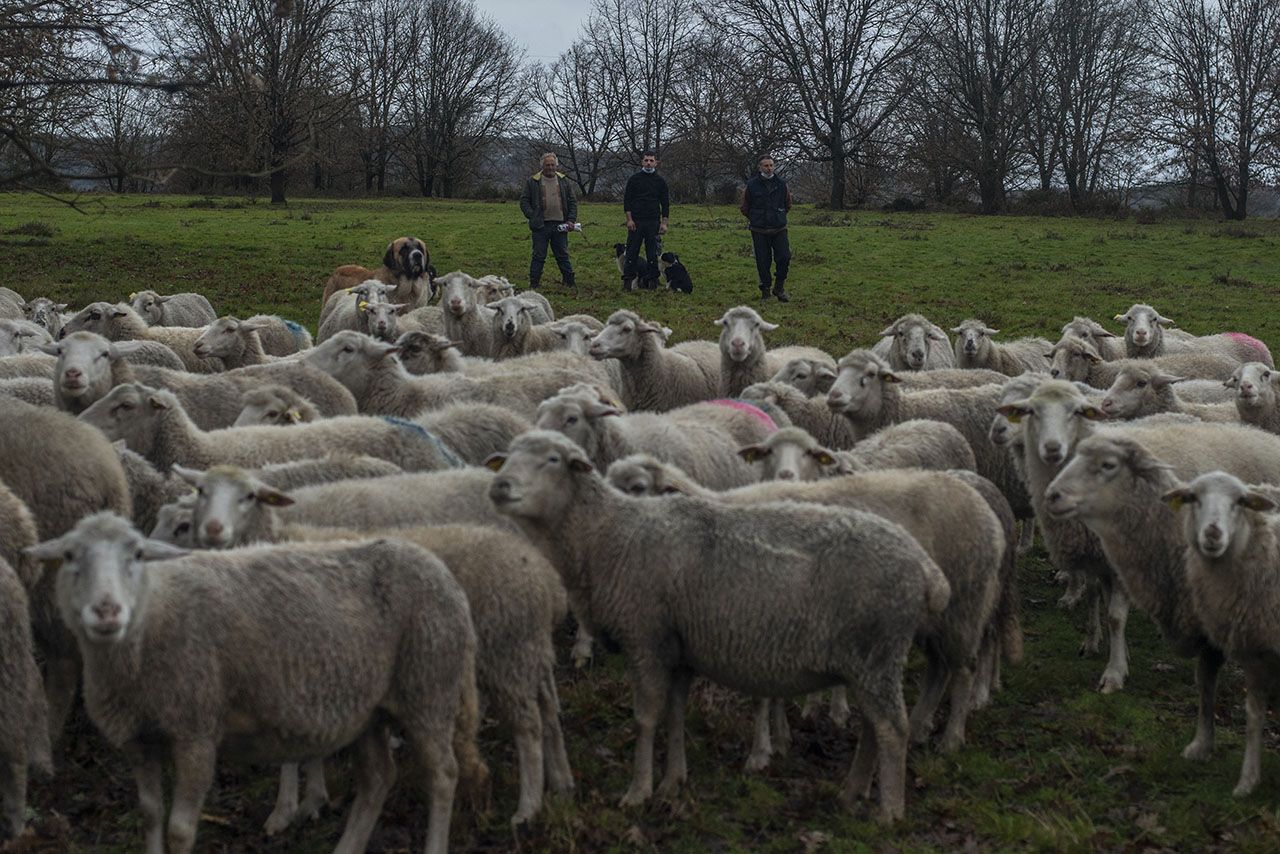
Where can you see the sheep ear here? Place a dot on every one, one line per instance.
(1164, 321)
(956, 330)
(118, 312)
(1049, 355)
(890, 377)
(191, 476)
(402, 308)
(670, 490)
(272, 497)
(887, 332)
(164, 299)
(1103, 333)
(525, 305)
(62, 306)
(1094, 358)
(1178, 498)
(124, 348)
(1257, 501)
(754, 453)
(652, 326)
(936, 334)
(254, 325)
(823, 372)
(1093, 413)
(1123, 318)
(767, 326)
(157, 550)
(580, 464)
(600, 409)
(133, 296)
(987, 330)
(494, 305)
(495, 461)
(294, 415)
(158, 402)
(1014, 412)
(1232, 381)
(384, 349)
(52, 348)
(51, 550)
(1161, 379)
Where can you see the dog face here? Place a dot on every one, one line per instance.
(407, 256)
(667, 259)
(619, 249)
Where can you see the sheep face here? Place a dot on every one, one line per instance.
(973, 338)
(349, 357)
(1097, 484)
(537, 476)
(95, 317)
(1088, 331)
(423, 353)
(790, 454)
(512, 316)
(1144, 327)
(273, 406)
(1255, 386)
(45, 312)
(102, 584)
(20, 336)
(810, 377)
(225, 338)
(912, 337)
(1134, 390)
(859, 386)
(457, 293)
(1072, 359)
(149, 305)
(622, 337)
(83, 370)
(173, 524)
(574, 414)
(493, 288)
(575, 335)
(633, 475)
(131, 412)
(1054, 419)
(228, 502)
(741, 334)
(1216, 523)
(380, 318)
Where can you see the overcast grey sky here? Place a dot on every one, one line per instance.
(544, 28)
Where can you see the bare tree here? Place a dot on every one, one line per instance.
(466, 85)
(580, 112)
(980, 51)
(376, 54)
(273, 75)
(1219, 99)
(843, 62)
(640, 40)
(120, 135)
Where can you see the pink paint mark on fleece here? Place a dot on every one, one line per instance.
(754, 411)
(1264, 354)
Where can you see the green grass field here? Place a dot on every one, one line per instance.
(1050, 765)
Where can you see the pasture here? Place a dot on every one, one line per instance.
(1049, 765)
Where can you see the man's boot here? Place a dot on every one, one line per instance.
(780, 292)
(764, 290)
(569, 280)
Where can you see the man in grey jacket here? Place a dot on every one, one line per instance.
(548, 203)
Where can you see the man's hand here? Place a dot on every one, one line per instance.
(662, 227)
(631, 224)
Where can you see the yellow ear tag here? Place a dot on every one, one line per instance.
(1175, 503)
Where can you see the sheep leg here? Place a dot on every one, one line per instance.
(858, 783)
(781, 729)
(761, 746)
(556, 759)
(1118, 659)
(582, 643)
(62, 675)
(650, 691)
(1255, 711)
(527, 724)
(982, 680)
(317, 796)
(812, 706)
(839, 706)
(193, 767)
(148, 774)
(961, 693)
(1208, 663)
(1026, 535)
(375, 773)
(935, 681)
(677, 762)
(891, 747)
(1093, 618)
(13, 797)
(286, 800)
(437, 754)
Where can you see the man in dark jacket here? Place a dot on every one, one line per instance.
(765, 203)
(647, 205)
(548, 203)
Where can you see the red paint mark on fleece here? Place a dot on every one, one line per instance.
(1250, 341)
(754, 411)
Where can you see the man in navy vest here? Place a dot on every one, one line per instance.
(647, 204)
(765, 203)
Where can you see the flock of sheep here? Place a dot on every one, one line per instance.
(240, 542)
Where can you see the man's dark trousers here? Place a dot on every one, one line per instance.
(776, 248)
(646, 230)
(559, 240)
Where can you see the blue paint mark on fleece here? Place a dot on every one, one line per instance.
(449, 456)
(299, 334)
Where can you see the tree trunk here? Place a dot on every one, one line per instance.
(837, 177)
(278, 179)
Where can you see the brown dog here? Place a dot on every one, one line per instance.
(407, 265)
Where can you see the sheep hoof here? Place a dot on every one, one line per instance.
(522, 819)
(1198, 751)
(634, 797)
(670, 787)
(757, 762)
(1110, 683)
(950, 743)
(1244, 788)
(311, 807)
(278, 821)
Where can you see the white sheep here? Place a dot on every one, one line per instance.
(1141, 390)
(811, 414)
(153, 423)
(1103, 341)
(1076, 360)
(1256, 400)
(119, 322)
(24, 725)
(235, 342)
(656, 377)
(773, 600)
(186, 309)
(492, 288)
(1232, 557)
(45, 313)
(210, 624)
(975, 349)
(275, 404)
(1145, 336)
(808, 375)
(466, 319)
(744, 358)
(21, 336)
(921, 443)
(513, 330)
(912, 343)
